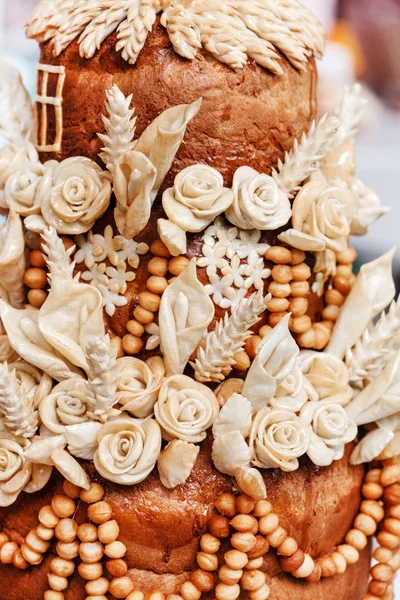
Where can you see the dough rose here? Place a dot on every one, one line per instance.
(331, 431)
(291, 394)
(198, 196)
(13, 159)
(328, 375)
(278, 439)
(331, 423)
(16, 472)
(73, 194)
(21, 191)
(66, 405)
(35, 383)
(138, 384)
(258, 202)
(321, 219)
(185, 409)
(128, 450)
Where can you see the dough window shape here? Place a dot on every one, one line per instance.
(43, 103)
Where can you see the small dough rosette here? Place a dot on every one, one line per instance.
(258, 202)
(291, 394)
(128, 450)
(185, 409)
(197, 198)
(278, 439)
(66, 405)
(21, 190)
(328, 375)
(73, 194)
(322, 215)
(138, 384)
(332, 429)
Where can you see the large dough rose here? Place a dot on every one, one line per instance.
(185, 409)
(138, 384)
(331, 431)
(66, 405)
(328, 375)
(321, 219)
(12, 159)
(278, 438)
(258, 202)
(198, 196)
(128, 450)
(73, 194)
(16, 472)
(21, 191)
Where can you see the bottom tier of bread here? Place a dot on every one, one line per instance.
(161, 529)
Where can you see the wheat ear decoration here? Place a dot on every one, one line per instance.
(372, 352)
(58, 259)
(112, 13)
(305, 156)
(74, 22)
(44, 21)
(133, 32)
(229, 336)
(18, 412)
(259, 18)
(302, 23)
(183, 33)
(102, 376)
(120, 126)
(350, 113)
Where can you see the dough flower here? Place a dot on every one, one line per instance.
(21, 190)
(331, 423)
(198, 196)
(328, 375)
(291, 394)
(73, 194)
(128, 450)
(138, 384)
(321, 219)
(66, 405)
(16, 472)
(185, 409)
(12, 159)
(258, 202)
(332, 429)
(34, 382)
(277, 439)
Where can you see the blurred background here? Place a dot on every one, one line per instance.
(363, 45)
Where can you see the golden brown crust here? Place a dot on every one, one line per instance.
(161, 528)
(249, 117)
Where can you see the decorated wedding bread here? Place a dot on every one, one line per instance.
(198, 398)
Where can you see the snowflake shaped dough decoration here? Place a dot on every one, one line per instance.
(224, 250)
(112, 281)
(116, 249)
